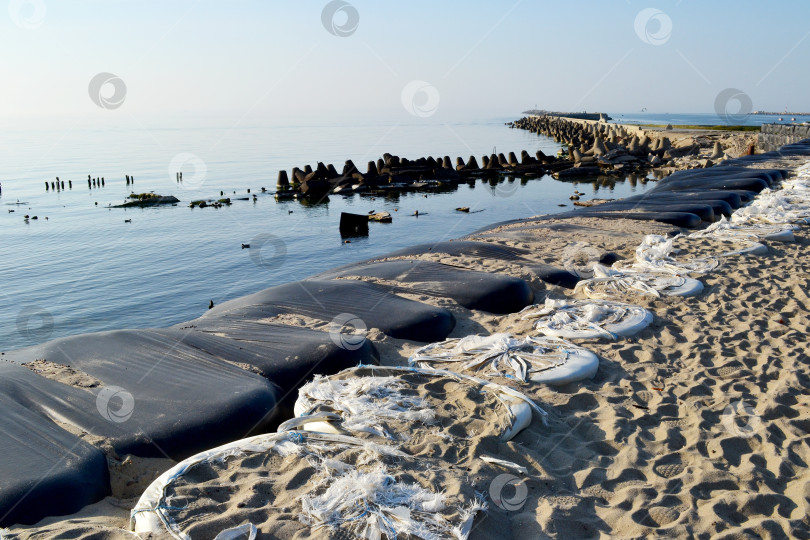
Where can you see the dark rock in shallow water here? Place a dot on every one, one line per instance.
(328, 301)
(575, 172)
(149, 199)
(44, 469)
(353, 224)
(494, 293)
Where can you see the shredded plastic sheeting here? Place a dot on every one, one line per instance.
(351, 487)
(654, 255)
(362, 402)
(610, 283)
(375, 504)
(773, 215)
(395, 403)
(788, 204)
(587, 319)
(537, 359)
(739, 230)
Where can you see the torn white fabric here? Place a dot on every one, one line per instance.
(608, 283)
(547, 360)
(587, 319)
(654, 255)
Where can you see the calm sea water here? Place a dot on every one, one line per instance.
(85, 269)
(704, 119)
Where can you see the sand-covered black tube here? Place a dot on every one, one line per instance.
(44, 469)
(327, 300)
(495, 293)
(153, 395)
(486, 250)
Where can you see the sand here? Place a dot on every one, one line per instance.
(697, 426)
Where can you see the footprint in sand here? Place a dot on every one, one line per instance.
(669, 470)
(656, 516)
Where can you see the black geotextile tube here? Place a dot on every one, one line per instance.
(327, 300)
(719, 207)
(704, 183)
(156, 396)
(678, 219)
(44, 470)
(494, 293)
(769, 176)
(703, 211)
(488, 250)
(731, 198)
(288, 356)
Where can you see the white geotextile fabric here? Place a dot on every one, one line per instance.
(609, 283)
(654, 255)
(357, 403)
(372, 503)
(361, 402)
(587, 318)
(788, 204)
(772, 215)
(152, 515)
(377, 505)
(497, 354)
(745, 234)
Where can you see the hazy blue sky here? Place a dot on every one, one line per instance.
(277, 59)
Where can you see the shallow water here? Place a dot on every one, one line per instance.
(85, 269)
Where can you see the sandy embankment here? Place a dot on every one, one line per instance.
(660, 442)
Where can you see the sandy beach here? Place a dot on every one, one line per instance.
(696, 426)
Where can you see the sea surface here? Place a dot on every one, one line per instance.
(82, 266)
(705, 119)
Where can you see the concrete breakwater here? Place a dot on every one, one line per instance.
(630, 148)
(394, 173)
(579, 116)
(774, 136)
